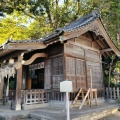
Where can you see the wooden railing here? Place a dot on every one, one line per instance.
(112, 93)
(34, 96)
(55, 96)
(42, 96)
(101, 93)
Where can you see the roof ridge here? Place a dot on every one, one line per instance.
(96, 13)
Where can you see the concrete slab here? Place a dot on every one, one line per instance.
(55, 113)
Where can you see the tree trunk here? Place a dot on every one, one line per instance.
(48, 13)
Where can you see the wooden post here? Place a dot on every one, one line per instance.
(90, 86)
(110, 93)
(96, 97)
(114, 93)
(1, 88)
(82, 94)
(18, 89)
(7, 90)
(118, 97)
(107, 92)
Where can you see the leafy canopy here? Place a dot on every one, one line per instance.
(48, 15)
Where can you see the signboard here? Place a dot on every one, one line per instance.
(66, 86)
(36, 66)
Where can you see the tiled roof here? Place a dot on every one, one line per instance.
(47, 37)
(82, 22)
(85, 20)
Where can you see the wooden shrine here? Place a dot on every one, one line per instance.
(69, 53)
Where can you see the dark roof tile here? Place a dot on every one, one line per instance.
(85, 20)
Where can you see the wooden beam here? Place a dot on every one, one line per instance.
(105, 50)
(94, 40)
(27, 62)
(86, 47)
(24, 46)
(107, 38)
(77, 33)
(13, 54)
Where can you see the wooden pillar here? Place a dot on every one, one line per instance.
(90, 87)
(18, 89)
(1, 88)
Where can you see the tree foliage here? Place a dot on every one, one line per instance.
(111, 73)
(13, 27)
(51, 14)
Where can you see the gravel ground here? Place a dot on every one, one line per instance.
(114, 116)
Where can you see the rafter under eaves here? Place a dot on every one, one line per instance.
(24, 46)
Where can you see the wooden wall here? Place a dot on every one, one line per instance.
(75, 71)
(84, 40)
(93, 62)
(80, 57)
(73, 60)
(54, 67)
(74, 50)
(97, 80)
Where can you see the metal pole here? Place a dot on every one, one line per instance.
(67, 106)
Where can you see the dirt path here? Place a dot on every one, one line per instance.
(114, 116)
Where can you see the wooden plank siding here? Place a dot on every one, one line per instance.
(73, 50)
(93, 62)
(96, 75)
(75, 71)
(84, 41)
(91, 55)
(79, 61)
(75, 65)
(70, 71)
(55, 49)
(54, 67)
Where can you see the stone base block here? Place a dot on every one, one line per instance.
(33, 106)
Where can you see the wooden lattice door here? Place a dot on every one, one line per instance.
(57, 72)
(80, 74)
